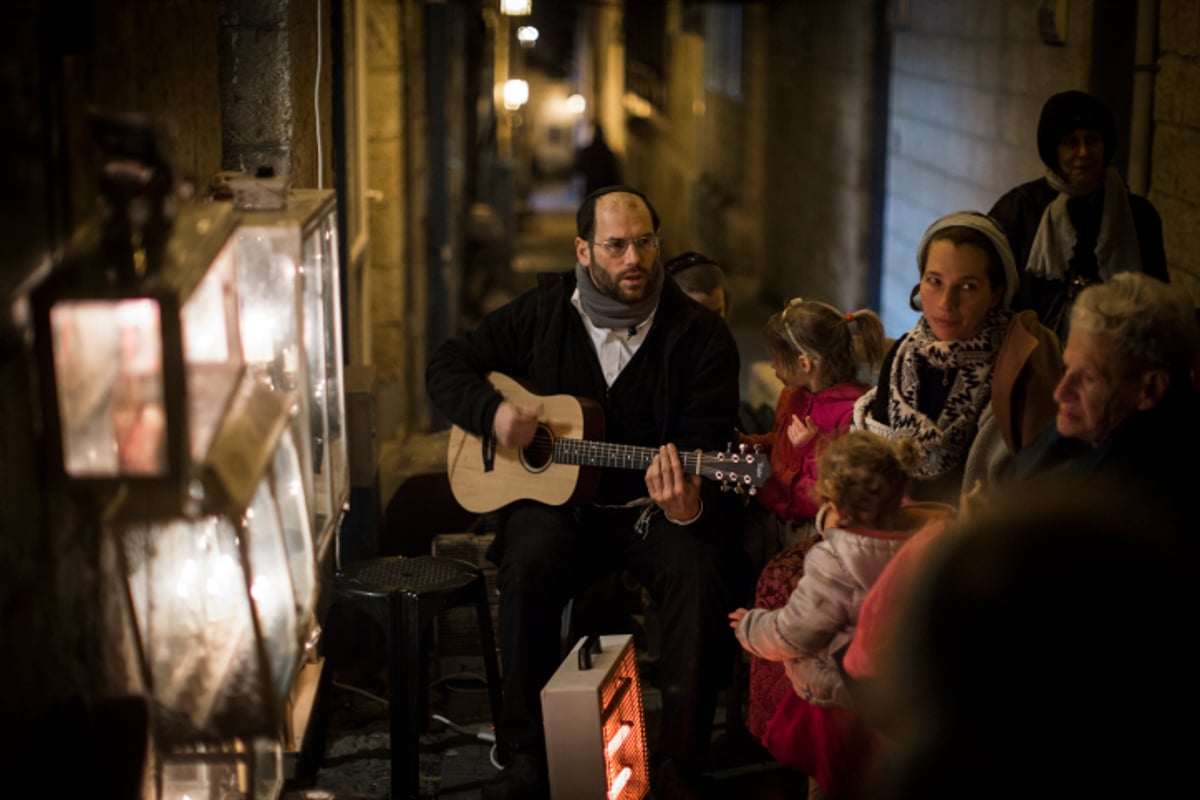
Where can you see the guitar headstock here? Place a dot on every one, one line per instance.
(742, 469)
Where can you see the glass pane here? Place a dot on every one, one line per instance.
(194, 616)
(108, 373)
(288, 486)
(268, 769)
(336, 404)
(314, 345)
(193, 777)
(271, 589)
(211, 351)
(270, 323)
(272, 307)
(207, 313)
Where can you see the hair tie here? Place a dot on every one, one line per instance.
(849, 317)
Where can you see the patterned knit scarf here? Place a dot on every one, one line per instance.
(944, 442)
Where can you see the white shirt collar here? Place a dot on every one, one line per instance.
(614, 348)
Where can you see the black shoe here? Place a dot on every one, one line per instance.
(524, 778)
(674, 780)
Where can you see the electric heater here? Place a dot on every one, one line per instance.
(594, 722)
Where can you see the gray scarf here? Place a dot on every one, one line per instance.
(610, 313)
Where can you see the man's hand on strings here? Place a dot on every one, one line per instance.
(515, 423)
(677, 494)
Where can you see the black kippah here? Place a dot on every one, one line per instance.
(585, 217)
(687, 260)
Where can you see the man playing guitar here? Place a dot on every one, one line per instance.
(617, 331)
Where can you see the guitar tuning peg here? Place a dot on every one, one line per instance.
(753, 490)
(742, 447)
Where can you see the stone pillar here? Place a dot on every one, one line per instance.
(273, 53)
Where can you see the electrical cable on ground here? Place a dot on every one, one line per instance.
(483, 736)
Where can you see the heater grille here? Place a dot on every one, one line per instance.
(595, 724)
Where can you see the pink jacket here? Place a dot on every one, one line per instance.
(790, 491)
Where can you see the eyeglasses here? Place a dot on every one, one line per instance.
(618, 246)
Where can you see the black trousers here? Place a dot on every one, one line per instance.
(697, 575)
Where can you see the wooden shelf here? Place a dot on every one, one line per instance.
(300, 705)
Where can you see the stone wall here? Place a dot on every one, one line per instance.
(819, 114)
(968, 80)
(1175, 164)
(395, 103)
(159, 59)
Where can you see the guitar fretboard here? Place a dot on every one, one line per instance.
(603, 454)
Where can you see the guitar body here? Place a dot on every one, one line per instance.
(529, 474)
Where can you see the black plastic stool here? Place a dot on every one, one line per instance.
(404, 595)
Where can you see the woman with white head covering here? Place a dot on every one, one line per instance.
(973, 381)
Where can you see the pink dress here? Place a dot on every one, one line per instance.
(830, 745)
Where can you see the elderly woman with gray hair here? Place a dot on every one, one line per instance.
(1127, 405)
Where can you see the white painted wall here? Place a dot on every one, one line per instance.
(969, 78)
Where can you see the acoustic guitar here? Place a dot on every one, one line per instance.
(562, 463)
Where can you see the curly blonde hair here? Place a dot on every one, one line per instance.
(865, 476)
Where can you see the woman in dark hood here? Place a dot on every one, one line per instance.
(1078, 224)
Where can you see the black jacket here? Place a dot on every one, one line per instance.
(1151, 456)
(1019, 213)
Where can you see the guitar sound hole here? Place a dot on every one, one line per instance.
(540, 452)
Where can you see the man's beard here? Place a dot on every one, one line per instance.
(610, 287)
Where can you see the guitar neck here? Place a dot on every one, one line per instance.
(622, 456)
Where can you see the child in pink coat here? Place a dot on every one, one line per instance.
(817, 352)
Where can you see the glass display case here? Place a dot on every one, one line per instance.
(292, 335)
(140, 374)
(222, 605)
